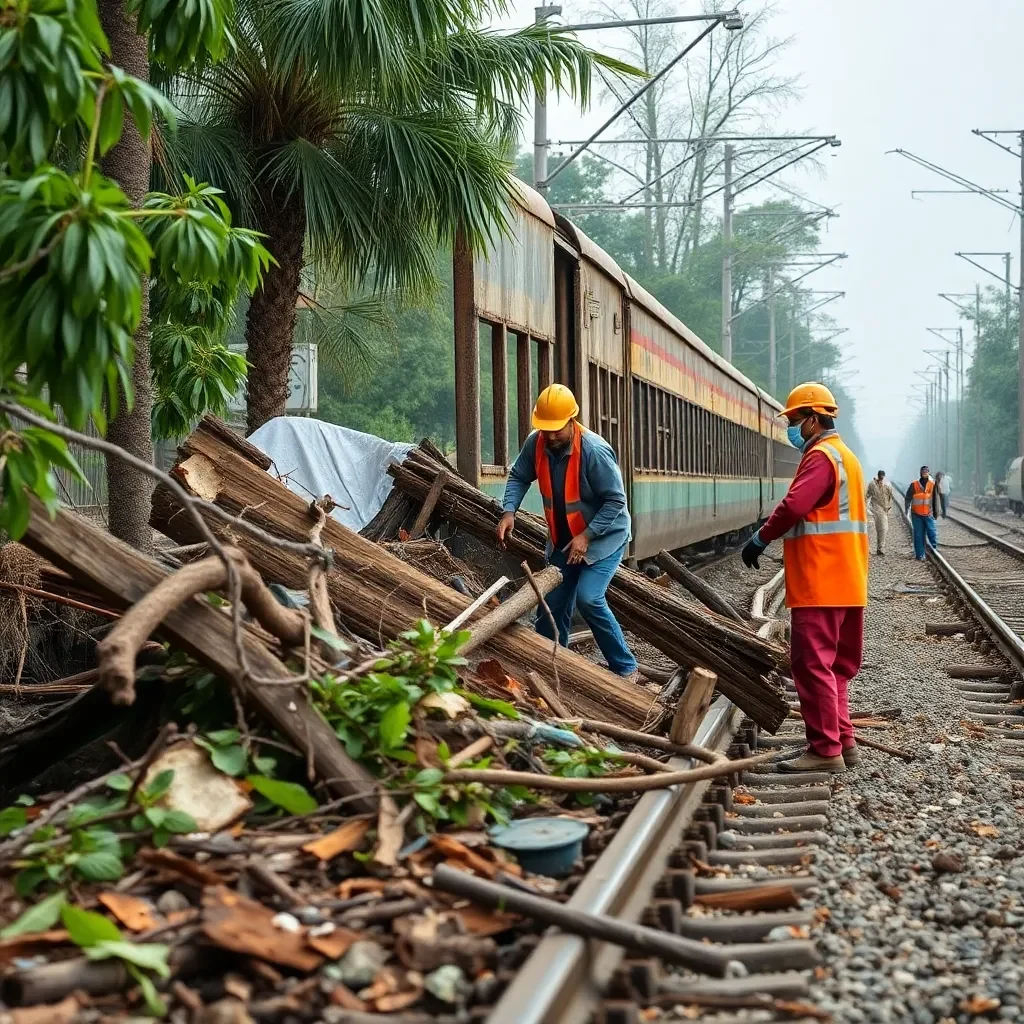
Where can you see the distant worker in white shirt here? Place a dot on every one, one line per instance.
(944, 485)
(879, 498)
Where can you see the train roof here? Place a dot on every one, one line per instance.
(534, 203)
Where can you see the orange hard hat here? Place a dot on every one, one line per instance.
(555, 406)
(813, 396)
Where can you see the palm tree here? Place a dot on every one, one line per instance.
(361, 135)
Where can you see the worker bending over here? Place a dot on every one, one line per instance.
(588, 523)
(922, 499)
(824, 521)
(879, 497)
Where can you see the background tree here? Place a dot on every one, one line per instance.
(361, 139)
(74, 251)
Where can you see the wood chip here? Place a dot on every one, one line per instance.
(244, 926)
(477, 921)
(335, 944)
(28, 945)
(135, 914)
(347, 999)
(170, 861)
(341, 840)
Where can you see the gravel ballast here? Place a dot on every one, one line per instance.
(921, 895)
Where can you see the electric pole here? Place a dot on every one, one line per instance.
(727, 257)
(978, 485)
(540, 115)
(772, 381)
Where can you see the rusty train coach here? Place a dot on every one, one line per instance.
(701, 452)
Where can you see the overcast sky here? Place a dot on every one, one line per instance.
(882, 74)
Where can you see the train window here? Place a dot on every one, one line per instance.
(638, 459)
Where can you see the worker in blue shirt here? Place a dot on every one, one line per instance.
(588, 522)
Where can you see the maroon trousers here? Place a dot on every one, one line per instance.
(826, 645)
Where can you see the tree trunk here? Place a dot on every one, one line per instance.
(128, 163)
(270, 325)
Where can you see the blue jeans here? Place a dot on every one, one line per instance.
(585, 586)
(923, 525)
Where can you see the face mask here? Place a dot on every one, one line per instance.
(796, 439)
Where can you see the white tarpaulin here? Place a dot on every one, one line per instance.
(316, 458)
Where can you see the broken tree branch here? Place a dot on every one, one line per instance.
(629, 784)
(117, 651)
(695, 585)
(509, 611)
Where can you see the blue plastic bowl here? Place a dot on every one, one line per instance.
(543, 846)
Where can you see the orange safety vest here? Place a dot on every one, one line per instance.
(921, 499)
(573, 506)
(826, 554)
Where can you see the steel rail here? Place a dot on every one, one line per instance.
(996, 542)
(1008, 642)
(564, 979)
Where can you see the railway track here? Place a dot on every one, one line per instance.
(736, 845)
(983, 576)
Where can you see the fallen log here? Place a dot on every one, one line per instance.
(377, 595)
(509, 611)
(125, 576)
(700, 590)
(691, 637)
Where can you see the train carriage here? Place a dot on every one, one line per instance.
(701, 451)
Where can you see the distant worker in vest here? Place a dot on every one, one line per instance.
(922, 499)
(588, 522)
(823, 519)
(879, 498)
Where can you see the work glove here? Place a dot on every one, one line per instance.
(752, 552)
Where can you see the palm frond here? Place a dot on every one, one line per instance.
(351, 334)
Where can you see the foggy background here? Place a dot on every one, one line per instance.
(880, 75)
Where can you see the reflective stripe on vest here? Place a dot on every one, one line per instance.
(921, 501)
(826, 554)
(573, 505)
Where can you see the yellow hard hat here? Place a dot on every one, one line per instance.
(555, 406)
(813, 396)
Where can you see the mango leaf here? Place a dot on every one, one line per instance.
(293, 798)
(87, 928)
(44, 915)
(393, 725)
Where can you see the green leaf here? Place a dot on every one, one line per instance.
(87, 928)
(25, 801)
(12, 818)
(100, 866)
(223, 737)
(230, 760)
(288, 795)
(38, 918)
(429, 802)
(159, 786)
(155, 816)
(489, 704)
(151, 956)
(428, 777)
(330, 639)
(26, 882)
(394, 724)
(180, 822)
(156, 1006)
(121, 783)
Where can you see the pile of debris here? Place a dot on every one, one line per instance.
(327, 767)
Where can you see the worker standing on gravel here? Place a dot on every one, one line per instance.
(588, 522)
(879, 498)
(825, 524)
(922, 499)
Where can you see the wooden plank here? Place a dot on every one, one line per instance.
(693, 705)
(123, 575)
(429, 504)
